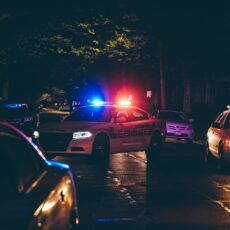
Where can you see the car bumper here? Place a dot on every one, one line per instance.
(72, 147)
(188, 136)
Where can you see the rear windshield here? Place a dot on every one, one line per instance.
(172, 116)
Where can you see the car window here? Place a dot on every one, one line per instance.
(223, 118)
(90, 114)
(121, 116)
(50, 118)
(219, 118)
(137, 115)
(171, 116)
(28, 165)
(14, 111)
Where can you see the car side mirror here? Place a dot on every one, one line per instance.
(216, 125)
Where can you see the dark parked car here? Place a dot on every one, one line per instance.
(178, 125)
(18, 114)
(35, 193)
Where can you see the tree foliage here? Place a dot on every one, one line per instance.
(85, 40)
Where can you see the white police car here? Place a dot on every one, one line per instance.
(101, 129)
(218, 138)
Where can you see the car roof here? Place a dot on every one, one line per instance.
(114, 106)
(53, 111)
(172, 111)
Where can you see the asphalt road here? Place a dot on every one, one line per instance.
(174, 191)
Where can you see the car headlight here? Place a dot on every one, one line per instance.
(36, 135)
(82, 135)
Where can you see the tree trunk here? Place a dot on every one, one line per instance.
(162, 85)
(208, 92)
(187, 96)
(5, 89)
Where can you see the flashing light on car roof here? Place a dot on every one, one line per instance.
(124, 102)
(15, 106)
(98, 102)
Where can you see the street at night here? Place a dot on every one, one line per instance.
(114, 115)
(176, 191)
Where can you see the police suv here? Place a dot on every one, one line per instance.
(101, 129)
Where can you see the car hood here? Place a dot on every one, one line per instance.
(68, 126)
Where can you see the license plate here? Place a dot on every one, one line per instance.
(177, 133)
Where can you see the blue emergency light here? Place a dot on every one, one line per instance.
(12, 106)
(97, 102)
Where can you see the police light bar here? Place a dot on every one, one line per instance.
(97, 102)
(13, 105)
(124, 102)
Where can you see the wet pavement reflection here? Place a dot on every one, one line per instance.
(172, 191)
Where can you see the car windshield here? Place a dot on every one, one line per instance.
(172, 116)
(91, 114)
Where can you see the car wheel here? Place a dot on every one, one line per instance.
(101, 149)
(155, 146)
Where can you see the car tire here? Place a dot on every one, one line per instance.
(101, 149)
(155, 146)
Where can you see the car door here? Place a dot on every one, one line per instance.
(133, 130)
(215, 133)
(120, 131)
(141, 129)
(16, 207)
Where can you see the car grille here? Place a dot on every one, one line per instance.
(55, 141)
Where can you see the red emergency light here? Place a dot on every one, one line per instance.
(124, 102)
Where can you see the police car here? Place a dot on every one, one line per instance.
(218, 138)
(102, 128)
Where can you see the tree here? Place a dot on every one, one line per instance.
(68, 49)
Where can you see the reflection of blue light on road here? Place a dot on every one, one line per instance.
(107, 220)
